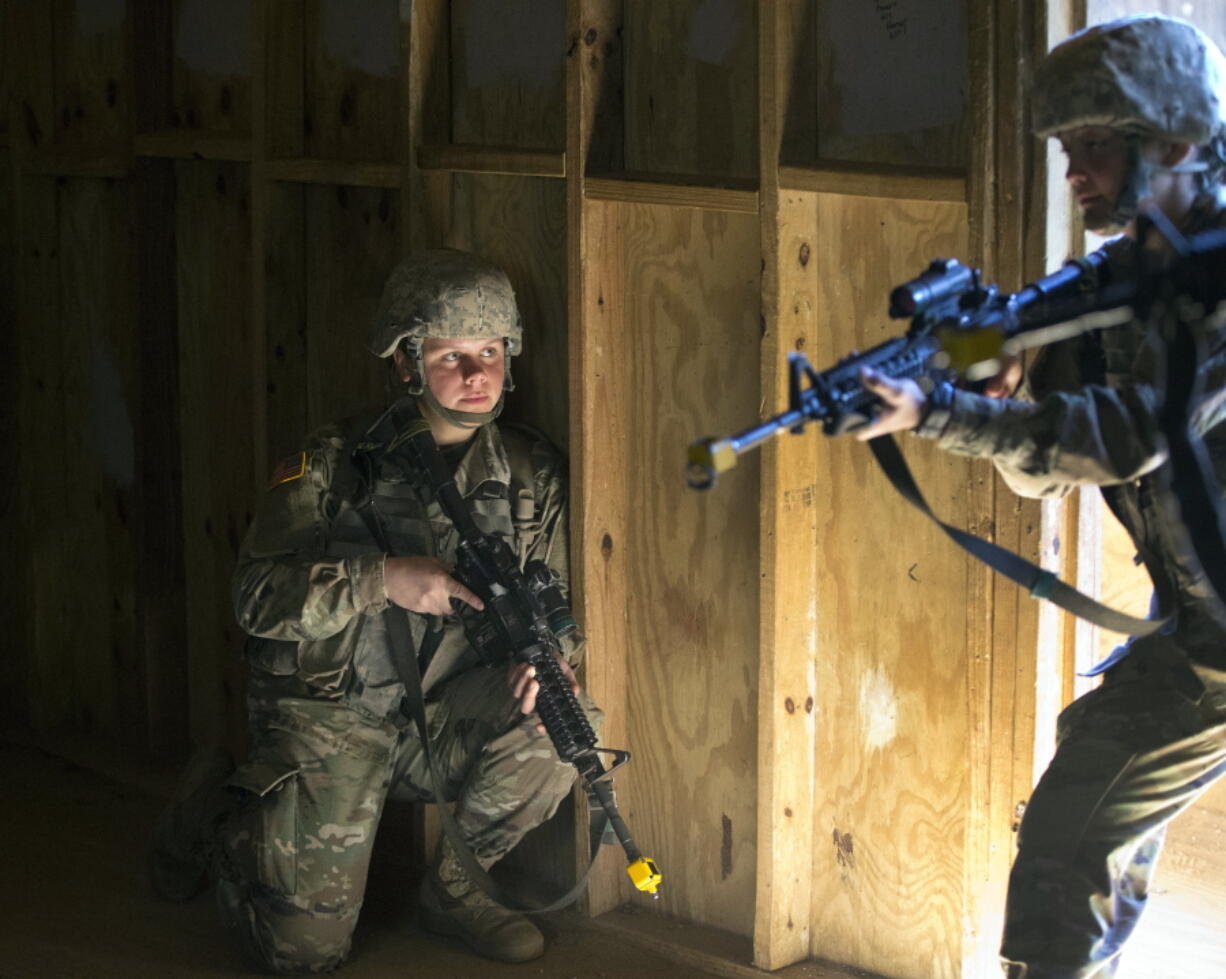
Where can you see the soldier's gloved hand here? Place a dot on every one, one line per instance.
(902, 404)
(424, 584)
(521, 678)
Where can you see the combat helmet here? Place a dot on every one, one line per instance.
(446, 293)
(1146, 76)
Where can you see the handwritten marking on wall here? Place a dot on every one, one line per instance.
(900, 66)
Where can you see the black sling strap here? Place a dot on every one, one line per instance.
(1039, 582)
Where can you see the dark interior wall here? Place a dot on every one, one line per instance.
(176, 320)
(204, 198)
(12, 581)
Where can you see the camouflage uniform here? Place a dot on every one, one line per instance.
(327, 729)
(1139, 749)
(1135, 752)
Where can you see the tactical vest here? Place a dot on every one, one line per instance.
(497, 478)
(1147, 507)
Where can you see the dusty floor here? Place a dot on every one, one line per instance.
(81, 906)
(75, 903)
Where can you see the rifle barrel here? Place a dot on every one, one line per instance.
(710, 457)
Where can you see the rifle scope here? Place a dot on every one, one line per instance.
(946, 278)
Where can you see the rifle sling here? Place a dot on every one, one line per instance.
(1039, 582)
(409, 666)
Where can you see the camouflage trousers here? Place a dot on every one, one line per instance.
(1132, 755)
(291, 857)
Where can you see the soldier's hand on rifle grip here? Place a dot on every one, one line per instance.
(521, 678)
(902, 404)
(425, 585)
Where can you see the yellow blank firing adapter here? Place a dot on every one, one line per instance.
(645, 875)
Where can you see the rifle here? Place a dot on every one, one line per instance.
(959, 328)
(525, 617)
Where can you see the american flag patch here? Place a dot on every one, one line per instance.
(290, 468)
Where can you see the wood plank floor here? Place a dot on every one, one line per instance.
(75, 903)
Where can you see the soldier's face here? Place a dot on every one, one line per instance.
(1097, 171)
(465, 375)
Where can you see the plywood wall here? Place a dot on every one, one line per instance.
(828, 707)
(893, 646)
(691, 305)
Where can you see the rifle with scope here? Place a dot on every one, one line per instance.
(960, 328)
(959, 332)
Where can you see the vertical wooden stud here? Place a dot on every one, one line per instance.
(788, 537)
(425, 196)
(599, 507)
(1014, 685)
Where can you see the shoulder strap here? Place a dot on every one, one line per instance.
(1038, 581)
(523, 477)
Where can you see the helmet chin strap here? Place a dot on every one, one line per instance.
(1136, 187)
(416, 385)
(461, 419)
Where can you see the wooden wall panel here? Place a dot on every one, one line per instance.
(286, 388)
(161, 599)
(215, 351)
(100, 354)
(43, 499)
(352, 240)
(692, 322)
(892, 734)
(280, 109)
(75, 422)
(520, 223)
(507, 60)
(352, 90)
(13, 618)
(92, 105)
(691, 87)
(212, 65)
(892, 82)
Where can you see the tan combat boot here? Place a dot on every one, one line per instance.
(453, 905)
(178, 864)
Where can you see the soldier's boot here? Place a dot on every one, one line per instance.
(178, 858)
(451, 904)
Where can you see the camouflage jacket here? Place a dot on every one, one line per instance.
(1086, 415)
(309, 580)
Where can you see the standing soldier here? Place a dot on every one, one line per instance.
(288, 834)
(1137, 106)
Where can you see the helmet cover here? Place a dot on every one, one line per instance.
(445, 293)
(1152, 75)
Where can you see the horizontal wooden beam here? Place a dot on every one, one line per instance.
(492, 159)
(632, 187)
(185, 144)
(340, 172)
(75, 163)
(863, 180)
